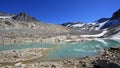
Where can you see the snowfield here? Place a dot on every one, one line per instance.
(96, 35)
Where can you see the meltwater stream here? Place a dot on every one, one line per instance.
(67, 50)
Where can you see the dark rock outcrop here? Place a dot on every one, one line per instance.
(116, 15)
(105, 64)
(24, 17)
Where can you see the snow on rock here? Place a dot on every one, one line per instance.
(78, 25)
(101, 25)
(68, 25)
(96, 35)
(110, 23)
(5, 17)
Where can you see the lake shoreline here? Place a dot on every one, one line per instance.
(55, 39)
(110, 55)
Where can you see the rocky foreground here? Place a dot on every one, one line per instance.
(109, 58)
(13, 56)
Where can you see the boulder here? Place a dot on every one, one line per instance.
(105, 64)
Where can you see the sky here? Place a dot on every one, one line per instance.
(62, 11)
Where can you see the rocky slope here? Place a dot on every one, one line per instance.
(25, 28)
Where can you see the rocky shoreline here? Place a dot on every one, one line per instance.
(108, 58)
(55, 39)
(13, 56)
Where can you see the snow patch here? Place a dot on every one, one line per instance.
(77, 25)
(96, 35)
(101, 25)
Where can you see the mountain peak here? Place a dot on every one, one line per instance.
(23, 13)
(22, 16)
(116, 15)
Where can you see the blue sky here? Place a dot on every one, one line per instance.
(60, 11)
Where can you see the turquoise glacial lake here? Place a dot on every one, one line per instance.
(67, 50)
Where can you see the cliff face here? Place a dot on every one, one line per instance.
(116, 15)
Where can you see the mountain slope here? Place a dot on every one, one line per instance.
(116, 15)
(102, 20)
(24, 17)
(97, 27)
(113, 31)
(115, 19)
(22, 28)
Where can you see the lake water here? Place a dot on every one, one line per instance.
(67, 50)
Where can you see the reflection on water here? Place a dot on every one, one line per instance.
(67, 50)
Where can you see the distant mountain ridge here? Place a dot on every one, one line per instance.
(22, 16)
(99, 24)
(72, 24)
(6, 14)
(102, 27)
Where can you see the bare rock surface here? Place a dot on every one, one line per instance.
(21, 55)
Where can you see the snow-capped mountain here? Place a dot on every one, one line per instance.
(73, 24)
(96, 25)
(22, 16)
(112, 25)
(103, 27)
(113, 31)
(108, 22)
(100, 24)
(79, 25)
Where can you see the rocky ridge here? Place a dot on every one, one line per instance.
(116, 15)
